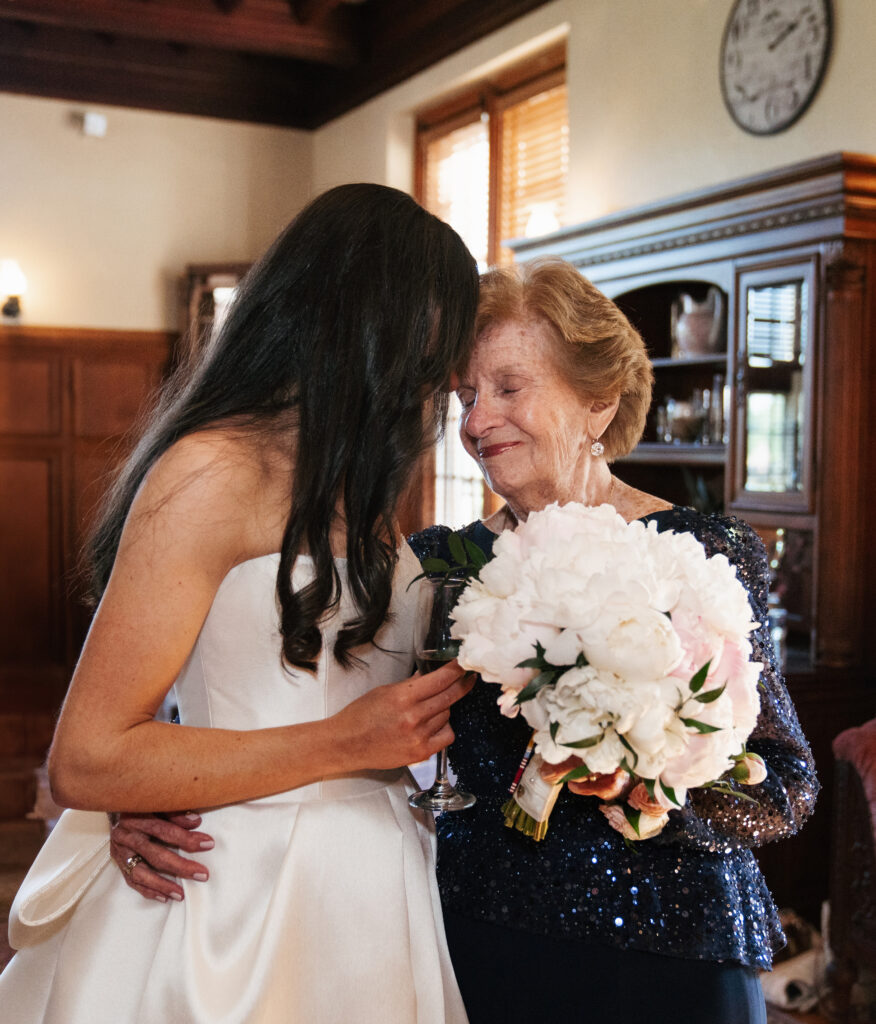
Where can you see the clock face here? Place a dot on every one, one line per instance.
(773, 58)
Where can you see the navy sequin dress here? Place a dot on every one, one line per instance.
(695, 890)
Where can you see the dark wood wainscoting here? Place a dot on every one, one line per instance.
(68, 400)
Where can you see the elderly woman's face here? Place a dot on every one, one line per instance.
(521, 421)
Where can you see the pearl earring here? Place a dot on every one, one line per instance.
(597, 449)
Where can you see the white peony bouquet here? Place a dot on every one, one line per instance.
(627, 651)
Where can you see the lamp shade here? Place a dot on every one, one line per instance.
(12, 280)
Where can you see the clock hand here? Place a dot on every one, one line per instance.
(753, 98)
(782, 36)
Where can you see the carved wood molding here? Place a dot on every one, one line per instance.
(737, 228)
(826, 194)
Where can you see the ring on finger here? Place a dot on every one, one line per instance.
(130, 863)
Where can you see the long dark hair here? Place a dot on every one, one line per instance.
(352, 322)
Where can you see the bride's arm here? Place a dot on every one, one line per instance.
(187, 527)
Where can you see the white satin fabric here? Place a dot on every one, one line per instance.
(321, 907)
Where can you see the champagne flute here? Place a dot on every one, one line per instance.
(434, 647)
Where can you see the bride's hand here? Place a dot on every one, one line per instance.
(605, 786)
(151, 837)
(402, 723)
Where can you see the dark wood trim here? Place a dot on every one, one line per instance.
(34, 337)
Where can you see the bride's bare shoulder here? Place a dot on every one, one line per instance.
(218, 479)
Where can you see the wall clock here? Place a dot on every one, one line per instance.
(773, 57)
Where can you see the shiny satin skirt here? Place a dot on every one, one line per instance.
(321, 908)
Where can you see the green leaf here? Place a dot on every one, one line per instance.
(477, 558)
(649, 786)
(710, 695)
(698, 678)
(581, 661)
(534, 685)
(700, 726)
(581, 772)
(435, 565)
(457, 548)
(553, 730)
(627, 745)
(536, 662)
(632, 816)
(719, 787)
(670, 792)
(591, 741)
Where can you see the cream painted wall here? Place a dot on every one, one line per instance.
(103, 228)
(645, 110)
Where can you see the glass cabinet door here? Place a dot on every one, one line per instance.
(773, 374)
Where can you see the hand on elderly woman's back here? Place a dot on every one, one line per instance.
(153, 838)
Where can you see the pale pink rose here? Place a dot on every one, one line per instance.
(750, 770)
(606, 787)
(649, 825)
(640, 800)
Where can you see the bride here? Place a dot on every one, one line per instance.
(248, 556)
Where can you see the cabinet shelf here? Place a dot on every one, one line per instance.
(718, 359)
(678, 454)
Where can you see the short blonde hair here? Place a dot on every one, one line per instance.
(598, 350)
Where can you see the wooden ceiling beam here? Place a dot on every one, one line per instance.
(267, 27)
(408, 37)
(309, 10)
(87, 68)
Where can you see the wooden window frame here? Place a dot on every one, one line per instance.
(491, 96)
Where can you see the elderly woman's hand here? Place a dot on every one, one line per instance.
(141, 845)
(606, 787)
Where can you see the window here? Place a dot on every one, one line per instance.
(493, 162)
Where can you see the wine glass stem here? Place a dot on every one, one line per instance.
(441, 773)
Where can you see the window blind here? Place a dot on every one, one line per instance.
(456, 183)
(534, 164)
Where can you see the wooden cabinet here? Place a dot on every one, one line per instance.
(771, 419)
(791, 257)
(68, 399)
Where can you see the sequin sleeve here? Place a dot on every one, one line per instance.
(786, 797)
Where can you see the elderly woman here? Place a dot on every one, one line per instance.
(581, 926)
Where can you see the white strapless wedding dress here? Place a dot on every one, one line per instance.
(322, 906)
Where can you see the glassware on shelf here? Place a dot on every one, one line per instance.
(718, 417)
(697, 326)
(684, 422)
